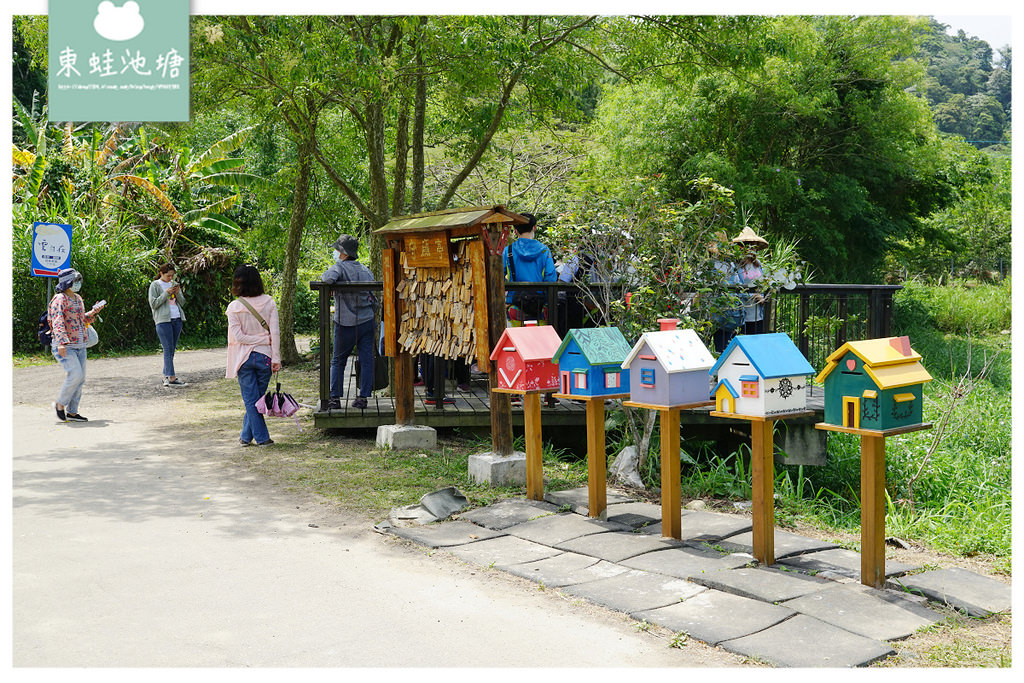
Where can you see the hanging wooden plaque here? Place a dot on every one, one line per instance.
(427, 251)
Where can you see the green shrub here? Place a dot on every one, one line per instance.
(953, 309)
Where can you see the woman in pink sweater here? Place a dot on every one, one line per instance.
(254, 351)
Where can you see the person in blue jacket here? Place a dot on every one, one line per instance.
(527, 260)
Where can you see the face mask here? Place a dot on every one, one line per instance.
(337, 254)
(76, 286)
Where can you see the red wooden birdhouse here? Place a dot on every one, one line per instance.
(523, 356)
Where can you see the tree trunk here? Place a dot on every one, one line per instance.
(375, 143)
(297, 223)
(418, 122)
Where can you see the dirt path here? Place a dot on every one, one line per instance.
(134, 548)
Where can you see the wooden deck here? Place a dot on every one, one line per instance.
(472, 409)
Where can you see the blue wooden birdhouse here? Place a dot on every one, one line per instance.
(590, 362)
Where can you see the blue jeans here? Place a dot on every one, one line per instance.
(253, 378)
(73, 365)
(345, 338)
(169, 333)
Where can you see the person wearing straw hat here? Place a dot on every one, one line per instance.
(68, 322)
(750, 272)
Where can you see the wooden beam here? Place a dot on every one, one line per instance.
(494, 300)
(872, 513)
(671, 483)
(534, 445)
(597, 461)
(762, 476)
(389, 317)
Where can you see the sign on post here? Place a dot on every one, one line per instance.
(51, 248)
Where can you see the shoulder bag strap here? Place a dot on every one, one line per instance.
(257, 315)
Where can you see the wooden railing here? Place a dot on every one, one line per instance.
(818, 317)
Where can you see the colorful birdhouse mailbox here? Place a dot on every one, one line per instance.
(523, 356)
(668, 367)
(590, 362)
(761, 375)
(874, 384)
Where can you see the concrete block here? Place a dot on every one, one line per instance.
(402, 437)
(798, 642)
(963, 590)
(498, 470)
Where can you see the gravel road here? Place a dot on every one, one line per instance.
(132, 548)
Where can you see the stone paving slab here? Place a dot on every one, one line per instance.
(579, 499)
(698, 525)
(616, 546)
(566, 569)
(840, 561)
(714, 616)
(686, 562)
(786, 544)
(635, 591)
(978, 596)
(445, 534)
(636, 514)
(762, 583)
(877, 614)
(503, 551)
(804, 641)
(561, 527)
(506, 513)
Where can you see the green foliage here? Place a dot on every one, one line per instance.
(822, 142)
(958, 308)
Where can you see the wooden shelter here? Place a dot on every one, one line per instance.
(444, 294)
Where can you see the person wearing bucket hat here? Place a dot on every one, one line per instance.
(68, 324)
(750, 271)
(354, 321)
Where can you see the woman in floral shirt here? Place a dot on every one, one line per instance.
(68, 319)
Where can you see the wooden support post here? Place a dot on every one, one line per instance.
(872, 501)
(671, 503)
(501, 409)
(762, 475)
(326, 346)
(597, 461)
(534, 446)
(404, 396)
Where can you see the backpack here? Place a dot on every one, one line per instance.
(530, 303)
(44, 333)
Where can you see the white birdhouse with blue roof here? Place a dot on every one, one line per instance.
(761, 375)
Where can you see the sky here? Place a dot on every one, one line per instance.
(995, 30)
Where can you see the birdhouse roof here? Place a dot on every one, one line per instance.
(599, 345)
(676, 350)
(531, 342)
(890, 362)
(772, 355)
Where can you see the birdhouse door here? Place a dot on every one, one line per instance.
(851, 412)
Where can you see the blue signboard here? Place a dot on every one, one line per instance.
(51, 248)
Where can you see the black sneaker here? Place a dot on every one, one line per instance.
(174, 383)
(334, 403)
(245, 443)
(359, 403)
(265, 443)
(75, 417)
(60, 413)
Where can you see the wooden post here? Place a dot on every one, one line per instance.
(872, 501)
(762, 475)
(671, 503)
(597, 461)
(534, 446)
(326, 346)
(501, 409)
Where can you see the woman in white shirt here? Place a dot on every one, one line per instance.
(166, 300)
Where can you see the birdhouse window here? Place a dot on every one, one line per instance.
(749, 388)
(581, 379)
(612, 380)
(647, 377)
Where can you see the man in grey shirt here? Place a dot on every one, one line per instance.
(353, 321)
